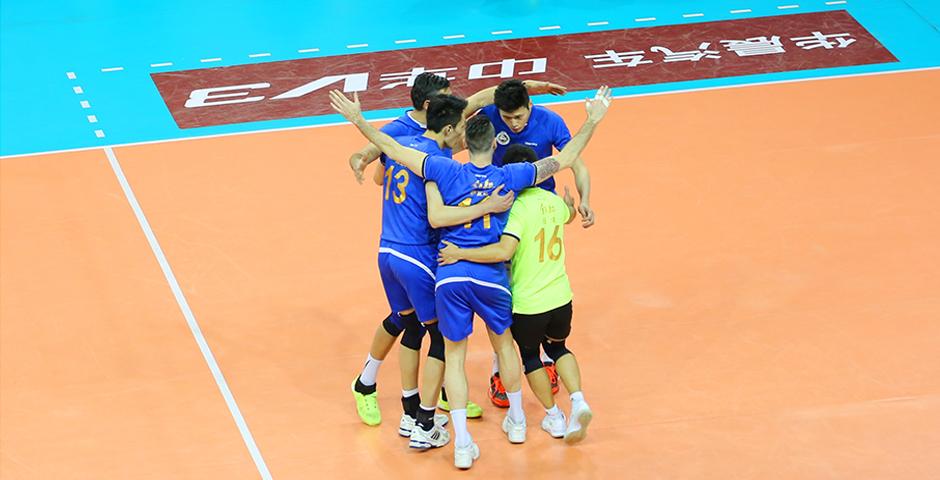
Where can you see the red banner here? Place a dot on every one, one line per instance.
(639, 56)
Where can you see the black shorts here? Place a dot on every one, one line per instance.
(530, 330)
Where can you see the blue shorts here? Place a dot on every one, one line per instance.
(466, 288)
(408, 277)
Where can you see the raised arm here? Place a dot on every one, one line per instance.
(596, 109)
(352, 110)
(361, 159)
(534, 87)
(492, 253)
(440, 215)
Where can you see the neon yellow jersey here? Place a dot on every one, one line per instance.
(538, 278)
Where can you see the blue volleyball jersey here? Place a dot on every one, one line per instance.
(404, 201)
(405, 126)
(465, 185)
(546, 130)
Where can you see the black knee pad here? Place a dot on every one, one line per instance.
(555, 350)
(437, 342)
(414, 331)
(391, 326)
(531, 360)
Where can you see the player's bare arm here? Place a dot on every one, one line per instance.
(534, 87)
(492, 253)
(441, 215)
(569, 201)
(582, 182)
(596, 109)
(361, 159)
(352, 110)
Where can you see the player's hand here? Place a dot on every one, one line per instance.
(539, 88)
(597, 106)
(569, 200)
(358, 165)
(449, 254)
(587, 215)
(499, 203)
(349, 109)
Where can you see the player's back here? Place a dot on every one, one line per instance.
(467, 184)
(404, 201)
(538, 278)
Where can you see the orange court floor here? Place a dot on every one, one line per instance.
(759, 299)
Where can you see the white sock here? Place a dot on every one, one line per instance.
(577, 397)
(370, 371)
(461, 435)
(553, 411)
(516, 413)
(409, 393)
(495, 364)
(545, 358)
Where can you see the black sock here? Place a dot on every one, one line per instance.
(364, 389)
(410, 405)
(425, 418)
(443, 394)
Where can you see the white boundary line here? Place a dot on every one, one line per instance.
(333, 124)
(190, 318)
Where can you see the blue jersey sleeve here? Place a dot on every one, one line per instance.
(396, 129)
(439, 169)
(520, 176)
(491, 112)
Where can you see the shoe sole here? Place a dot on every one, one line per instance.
(423, 445)
(584, 418)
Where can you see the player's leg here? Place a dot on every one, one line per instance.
(528, 331)
(493, 303)
(409, 355)
(429, 428)
(556, 347)
(514, 424)
(456, 324)
(366, 396)
(455, 377)
(414, 267)
(382, 340)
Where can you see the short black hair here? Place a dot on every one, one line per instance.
(519, 153)
(480, 134)
(426, 86)
(445, 110)
(511, 95)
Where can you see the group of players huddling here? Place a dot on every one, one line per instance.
(448, 229)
